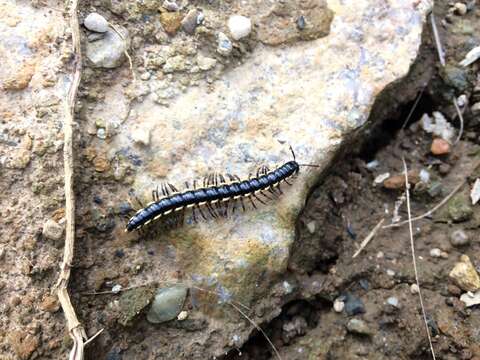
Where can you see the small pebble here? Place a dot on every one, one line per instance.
(311, 226)
(460, 8)
(301, 23)
(354, 305)
(182, 316)
(459, 238)
(381, 178)
(224, 46)
(96, 22)
(145, 76)
(465, 275)
(372, 165)
(141, 135)
(424, 176)
(190, 21)
(52, 230)
(338, 305)
(414, 289)
(444, 169)
(393, 301)
(116, 288)
(239, 26)
(358, 326)
(167, 304)
(435, 252)
(170, 5)
(101, 133)
(440, 147)
(390, 272)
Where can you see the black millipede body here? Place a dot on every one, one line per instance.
(215, 195)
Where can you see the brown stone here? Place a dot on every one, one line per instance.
(23, 343)
(398, 181)
(440, 147)
(171, 22)
(21, 78)
(49, 304)
(101, 164)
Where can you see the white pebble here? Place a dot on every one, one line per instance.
(239, 26)
(424, 176)
(96, 22)
(435, 252)
(224, 46)
(311, 225)
(52, 230)
(380, 178)
(392, 300)
(460, 8)
(338, 305)
(141, 135)
(414, 289)
(116, 288)
(182, 316)
(390, 272)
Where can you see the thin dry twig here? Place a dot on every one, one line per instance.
(109, 292)
(368, 238)
(259, 329)
(414, 106)
(130, 63)
(412, 245)
(441, 54)
(93, 337)
(75, 329)
(460, 116)
(431, 211)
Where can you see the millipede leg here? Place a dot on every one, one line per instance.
(260, 200)
(194, 216)
(165, 190)
(230, 177)
(234, 206)
(287, 182)
(211, 210)
(173, 188)
(242, 203)
(268, 197)
(253, 203)
(201, 212)
(279, 189)
(155, 195)
(187, 186)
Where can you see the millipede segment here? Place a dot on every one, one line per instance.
(216, 195)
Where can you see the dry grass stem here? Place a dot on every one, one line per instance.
(130, 63)
(431, 211)
(259, 329)
(441, 54)
(75, 329)
(368, 238)
(460, 117)
(412, 245)
(414, 106)
(93, 337)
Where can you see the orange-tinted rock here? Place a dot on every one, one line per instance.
(398, 181)
(440, 147)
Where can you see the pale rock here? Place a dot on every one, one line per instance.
(96, 22)
(52, 230)
(224, 45)
(465, 275)
(314, 95)
(471, 299)
(239, 26)
(205, 63)
(108, 52)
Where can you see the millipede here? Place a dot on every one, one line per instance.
(217, 195)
